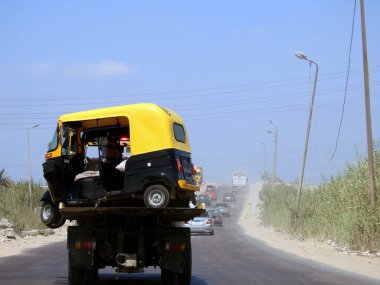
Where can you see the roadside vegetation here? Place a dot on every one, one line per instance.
(336, 210)
(14, 203)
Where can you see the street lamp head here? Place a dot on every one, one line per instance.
(34, 126)
(269, 132)
(300, 55)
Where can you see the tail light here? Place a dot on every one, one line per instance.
(209, 222)
(176, 246)
(179, 165)
(85, 245)
(124, 140)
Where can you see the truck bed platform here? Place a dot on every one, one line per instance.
(168, 214)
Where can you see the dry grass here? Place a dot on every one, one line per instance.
(14, 205)
(338, 209)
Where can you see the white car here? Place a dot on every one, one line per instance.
(203, 224)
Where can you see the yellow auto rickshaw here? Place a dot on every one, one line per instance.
(131, 155)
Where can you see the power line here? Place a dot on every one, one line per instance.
(345, 90)
(129, 96)
(223, 114)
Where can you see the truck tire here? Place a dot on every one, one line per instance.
(185, 277)
(168, 277)
(172, 278)
(75, 275)
(51, 216)
(156, 196)
(80, 276)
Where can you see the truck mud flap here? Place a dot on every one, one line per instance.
(80, 258)
(177, 244)
(81, 248)
(173, 261)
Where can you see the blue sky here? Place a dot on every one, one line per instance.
(227, 67)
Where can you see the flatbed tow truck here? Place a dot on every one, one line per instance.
(124, 174)
(129, 239)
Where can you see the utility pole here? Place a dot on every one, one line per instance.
(301, 55)
(275, 152)
(265, 161)
(371, 176)
(29, 167)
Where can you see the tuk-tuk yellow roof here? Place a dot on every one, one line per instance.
(150, 125)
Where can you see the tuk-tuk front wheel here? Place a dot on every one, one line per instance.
(156, 196)
(51, 216)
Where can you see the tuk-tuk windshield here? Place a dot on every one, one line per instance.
(54, 141)
(69, 141)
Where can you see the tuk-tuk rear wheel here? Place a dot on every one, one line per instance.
(156, 196)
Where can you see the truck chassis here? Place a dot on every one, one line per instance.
(129, 239)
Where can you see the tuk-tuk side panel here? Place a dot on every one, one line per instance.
(144, 169)
(160, 166)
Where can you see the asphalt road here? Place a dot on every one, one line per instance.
(228, 257)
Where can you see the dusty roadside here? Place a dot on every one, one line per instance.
(309, 249)
(15, 244)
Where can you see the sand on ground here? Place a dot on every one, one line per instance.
(312, 250)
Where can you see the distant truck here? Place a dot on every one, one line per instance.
(211, 192)
(239, 181)
(198, 175)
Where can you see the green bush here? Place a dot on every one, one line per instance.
(277, 205)
(338, 209)
(14, 205)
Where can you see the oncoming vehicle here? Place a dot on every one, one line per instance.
(229, 197)
(133, 155)
(239, 181)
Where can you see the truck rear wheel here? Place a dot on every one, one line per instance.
(171, 278)
(80, 276)
(185, 277)
(168, 277)
(156, 196)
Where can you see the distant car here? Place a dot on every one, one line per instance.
(217, 216)
(224, 208)
(203, 198)
(203, 224)
(213, 195)
(210, 187)
(229, 197)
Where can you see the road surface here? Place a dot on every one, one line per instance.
(228, 257)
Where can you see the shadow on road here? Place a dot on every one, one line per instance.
(130, 279)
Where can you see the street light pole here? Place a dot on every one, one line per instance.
(275, 152)
(29, 167)
(265, 161)
(301, 55)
